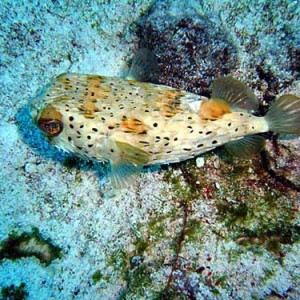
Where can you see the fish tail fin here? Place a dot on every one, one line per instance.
(284, 115)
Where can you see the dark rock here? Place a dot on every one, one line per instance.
(192, 51)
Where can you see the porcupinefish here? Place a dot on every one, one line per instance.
(133, 123)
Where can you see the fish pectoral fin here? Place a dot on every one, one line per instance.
(144, 67)
(247, 146)
(124, 175)
(238, 94)
(214, 109)
(131, 154)
(126, 163)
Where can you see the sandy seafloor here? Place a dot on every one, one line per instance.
(160, 239)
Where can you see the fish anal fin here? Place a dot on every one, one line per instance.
(247, 146)
(238, 94)
(214, 109)
(144, 67)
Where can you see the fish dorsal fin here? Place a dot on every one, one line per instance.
(126, 162)
(213, 109)
(144, 67)
(235, 92)
(247, 146)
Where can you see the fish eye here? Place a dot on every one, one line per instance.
(50, 127)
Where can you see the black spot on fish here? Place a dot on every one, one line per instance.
(236, 130)
(169, 151)
(187, 149)
(200, 132)
(155, 124)
(81, 126)
(166, 144)
(175, 139)
(111, 127)
(241, 114)
(166, 138)
(208, 132)
(90, 145)
(71, 126)
(214, 142)
(89, 137)
(69, 139)
(95, 129)
(200, 145)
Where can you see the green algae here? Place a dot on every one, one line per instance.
(98, 276)
(136, 266)
(119, 260)
(265, 221)
(13, 292)
(193, 230)
(27, 245)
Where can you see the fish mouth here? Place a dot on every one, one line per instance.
(50, 127)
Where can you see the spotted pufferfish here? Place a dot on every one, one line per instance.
(134, 123)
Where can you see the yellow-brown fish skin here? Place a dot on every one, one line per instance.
(98, 112)
(132, 124)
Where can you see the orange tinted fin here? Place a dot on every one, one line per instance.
(214, 109)
(238, 94)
